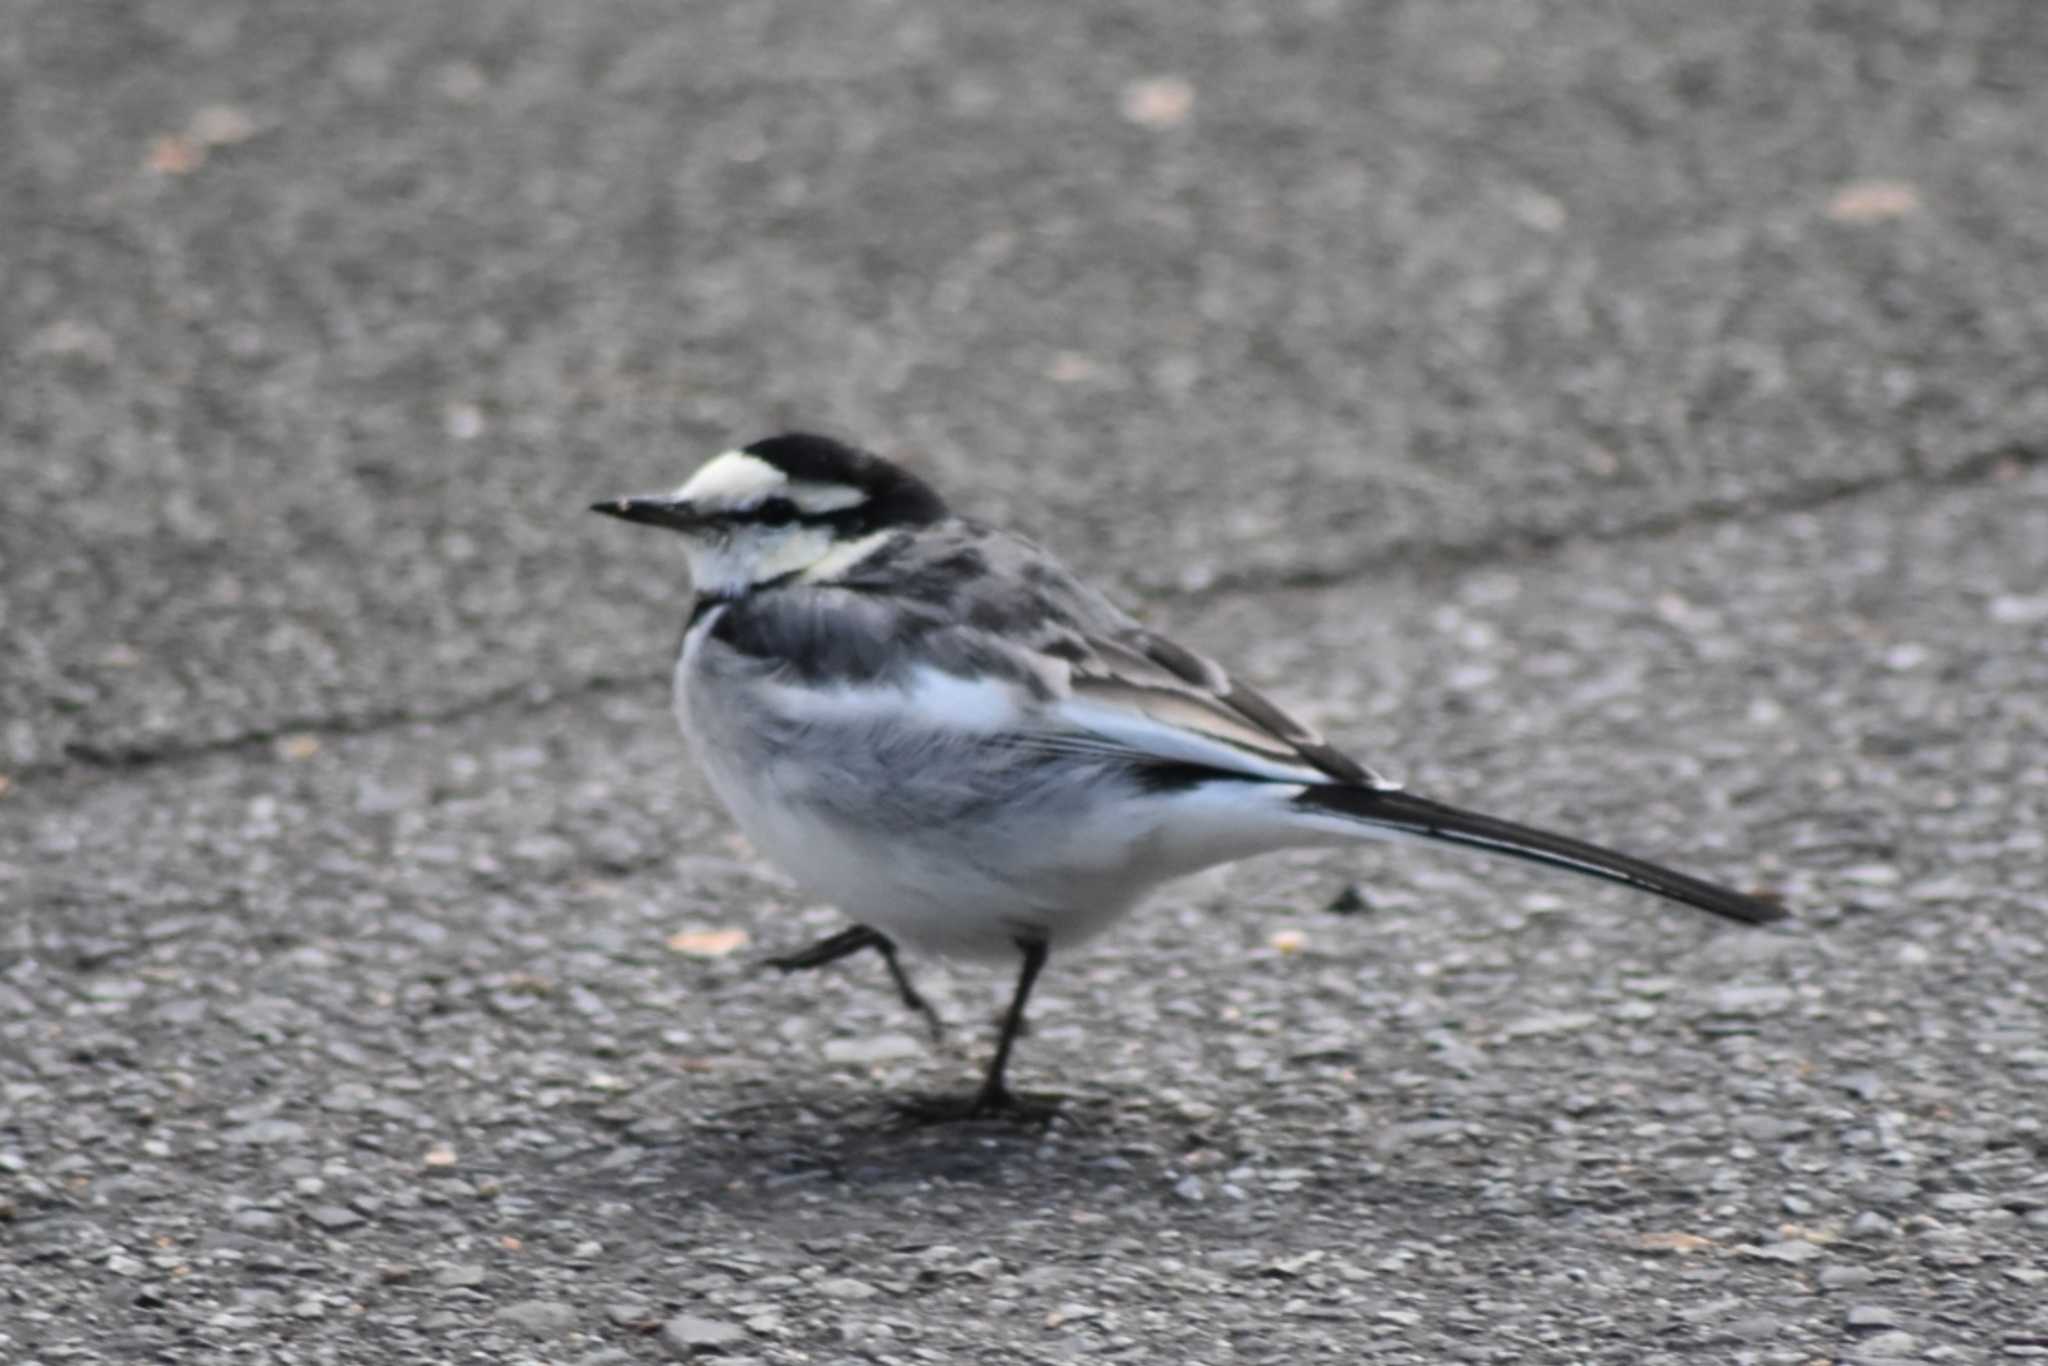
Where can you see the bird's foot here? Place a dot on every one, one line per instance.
(999, 1103)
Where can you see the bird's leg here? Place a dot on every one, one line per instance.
(829, 950)
(994, 1096)
(851, 941)
(910, 994)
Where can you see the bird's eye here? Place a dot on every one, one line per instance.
(776, 512)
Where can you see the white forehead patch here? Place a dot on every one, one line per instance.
(731, 479)
(735, 479)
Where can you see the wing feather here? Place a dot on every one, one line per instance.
(1089, 678)
(1163, 699)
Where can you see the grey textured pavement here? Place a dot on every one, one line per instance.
(1630, 419)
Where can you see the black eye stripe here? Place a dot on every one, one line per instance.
(783, 511)
(768, 512)
(842, 519)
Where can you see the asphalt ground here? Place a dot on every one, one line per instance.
(1626, 420)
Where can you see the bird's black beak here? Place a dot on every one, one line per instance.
(674, 513)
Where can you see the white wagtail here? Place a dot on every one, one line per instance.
(934, 725)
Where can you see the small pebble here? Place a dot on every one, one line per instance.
(877, 1048)
(539, 1317)
(847, 1288)
(1962, 1202)
(1893, 1344)
(334, 1218)
(1792, 1251)
(688, 1335)
(460, 1275)
(265, 1132)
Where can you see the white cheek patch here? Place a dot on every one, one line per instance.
(789, 550)
(717, 568)
(731, 479)
(725, 566)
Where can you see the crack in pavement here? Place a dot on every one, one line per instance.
(528, 697)
(1996, 464)
(1531, 543)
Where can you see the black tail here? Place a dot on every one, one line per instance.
(1422, 817)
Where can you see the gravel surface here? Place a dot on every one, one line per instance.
(1628, 421)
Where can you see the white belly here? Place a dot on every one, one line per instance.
(833, 817)
(922, 832)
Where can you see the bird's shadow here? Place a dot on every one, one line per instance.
(764, 1153)
(824, 1160)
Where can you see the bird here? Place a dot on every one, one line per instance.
(936, 726)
